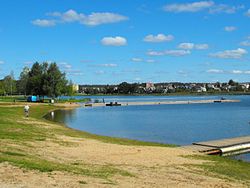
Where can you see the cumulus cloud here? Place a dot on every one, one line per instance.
(230, 54)
(201, 46)
(186, 46)
(175, 53)
(71, 16)
(190, 46)
(158, 38)
(114, 41)
(245, 43)
(230, 28)
(209, 6)
(44, 23)
(188, 7)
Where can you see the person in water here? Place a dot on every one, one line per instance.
(26, 110)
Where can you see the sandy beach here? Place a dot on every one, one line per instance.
(148, 166)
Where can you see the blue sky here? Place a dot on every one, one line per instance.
(105, 42)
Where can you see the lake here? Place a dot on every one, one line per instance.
(172, 124)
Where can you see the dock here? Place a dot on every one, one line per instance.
(230, 146)
(167, 102)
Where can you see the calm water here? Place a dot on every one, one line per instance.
(174, 124)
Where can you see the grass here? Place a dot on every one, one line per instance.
(223, 167)
(17, 132)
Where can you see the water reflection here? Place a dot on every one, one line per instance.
(62, 116)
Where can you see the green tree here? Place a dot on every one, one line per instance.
(9, 84)
(23, 81)
(2, 90)
(35, 81)
(55, 81)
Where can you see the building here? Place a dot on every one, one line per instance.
(75, 88)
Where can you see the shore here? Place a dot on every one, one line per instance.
(38, 153)
(167, 102)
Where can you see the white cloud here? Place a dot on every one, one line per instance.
(175, 53)
(114, 41)
(99, 72)
(1, 62)
(70, 16)
(201, 46)
(65, 65)
(222, 8)
(218, 71)
(190, 46)
(230, 54)
(28, 62)
(135, 59)
(107, 65)
(215, 71)
(186, 46)
(103, 18)
(230, 28)
(248, 13)
(188, 7)
(156, 53)
(158, 38)
(143, 60)
(209, 6)
(44, 23)
(245, 43)
(150, 61)
(236, 72)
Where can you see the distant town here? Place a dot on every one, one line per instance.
(162, 88)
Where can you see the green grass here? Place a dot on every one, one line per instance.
(17, 132)
(35, 163)
(224, 167)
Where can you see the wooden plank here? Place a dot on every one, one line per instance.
(213, 145)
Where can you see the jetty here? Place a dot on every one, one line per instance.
(166, 102)
(225, 147)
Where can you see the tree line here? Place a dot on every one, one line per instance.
(43, 79)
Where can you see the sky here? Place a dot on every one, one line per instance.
(111, 41)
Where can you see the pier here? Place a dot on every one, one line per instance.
(225, 147)
(165, 102)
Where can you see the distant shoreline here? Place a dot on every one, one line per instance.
(169, 94)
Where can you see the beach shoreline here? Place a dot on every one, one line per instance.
(73, 158)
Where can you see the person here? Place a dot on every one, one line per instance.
(26, 110)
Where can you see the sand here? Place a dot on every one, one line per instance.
(151, 166)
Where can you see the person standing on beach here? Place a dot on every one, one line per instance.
(26, 110)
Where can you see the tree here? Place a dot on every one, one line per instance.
(35, 81)
(232, 83)
(55, 81)
(9, 84)
(2, 90)
(23, 80)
